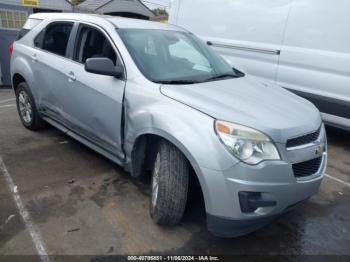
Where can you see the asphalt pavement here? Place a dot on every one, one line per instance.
(58, 195)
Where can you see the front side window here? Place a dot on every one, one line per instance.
(55, 38)
(172, 56)
(91, 43)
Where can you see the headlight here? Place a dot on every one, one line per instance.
(247, 144)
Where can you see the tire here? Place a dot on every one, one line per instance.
(26, 108)
(169, 186)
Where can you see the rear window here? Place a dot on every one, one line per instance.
(29, 25)
(54, 38)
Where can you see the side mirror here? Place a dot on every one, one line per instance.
(103, 66)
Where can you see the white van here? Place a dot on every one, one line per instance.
(302, 45)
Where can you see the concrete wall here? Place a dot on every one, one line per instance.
(49, 4)
(0, 76)
(7, 37)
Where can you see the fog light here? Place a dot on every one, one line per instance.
(251, 201)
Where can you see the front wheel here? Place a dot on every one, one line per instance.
(169, 185)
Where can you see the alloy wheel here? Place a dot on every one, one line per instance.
(25, 107)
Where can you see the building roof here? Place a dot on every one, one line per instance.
(119, 22)
(116, 6)
(122, 22)
(92, 5)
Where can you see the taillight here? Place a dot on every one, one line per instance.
(11, 49)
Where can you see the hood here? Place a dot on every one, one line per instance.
(246, 101)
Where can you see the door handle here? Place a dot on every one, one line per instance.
(34, 58)
(71, 76)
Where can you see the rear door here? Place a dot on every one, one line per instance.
(49, 62)
(94, 103)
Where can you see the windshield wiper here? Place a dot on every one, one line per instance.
(177, 82)
(188, 82)
(222, 76)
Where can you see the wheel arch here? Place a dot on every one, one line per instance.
(16, 80)
(154, 135)
(143, 153)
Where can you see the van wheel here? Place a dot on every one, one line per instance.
(169, 185)
(26, 108)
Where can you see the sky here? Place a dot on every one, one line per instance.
(152, 4)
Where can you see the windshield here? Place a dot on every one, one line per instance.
(174, 57)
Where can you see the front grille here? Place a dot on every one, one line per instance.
(303, 140)
(307, 168)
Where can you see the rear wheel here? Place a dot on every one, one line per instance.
(26, 108)
(169, 185)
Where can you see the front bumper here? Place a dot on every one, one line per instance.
(224, 227)
(273, 180)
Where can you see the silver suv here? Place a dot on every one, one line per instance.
(153, 97)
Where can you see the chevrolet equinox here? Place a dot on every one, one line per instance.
(153, 97)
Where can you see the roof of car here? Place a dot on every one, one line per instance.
(119, 22)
